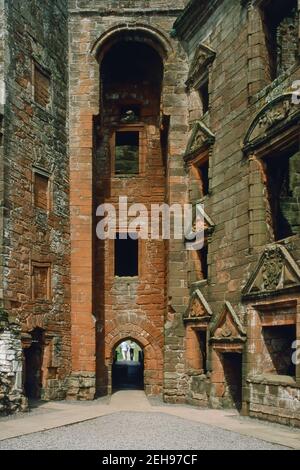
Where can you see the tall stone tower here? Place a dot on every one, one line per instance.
(128, 127)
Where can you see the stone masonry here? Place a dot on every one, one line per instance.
(198, 98)
(35, 236)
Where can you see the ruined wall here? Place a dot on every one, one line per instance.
(11, 386)
(2, 98)
(36, 236)
(237, 202)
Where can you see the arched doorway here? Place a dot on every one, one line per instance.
(33, 358)
(128, 366)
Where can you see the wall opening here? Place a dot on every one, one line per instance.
(232, 365)
(278, 341)
(204, 95)
(203, 256)
(199, 264)
(283, 186)
(196, 349)
(202, 341)
(202, 169)
(128, 366)
(126, 256)
(199, 177)
(33, 377)
(127, 153)
(280, 22)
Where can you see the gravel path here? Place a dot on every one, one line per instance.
(137, 431)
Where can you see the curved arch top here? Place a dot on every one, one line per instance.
(135, 32)
(274, 114)
(129, 338)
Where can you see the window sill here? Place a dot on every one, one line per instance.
(273, 379)
(132, 176)
(197, 373)
(287, 240)
(126, 278)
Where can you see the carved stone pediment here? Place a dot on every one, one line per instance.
(272, 117)
(198, 308)
(227, 326)
(276, 270)
(203, 56)
(201, 137)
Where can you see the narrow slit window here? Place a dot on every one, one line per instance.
(204, 96)
(203, 176)
(202, 338)
(126, 257)
(127, 153)
(202, 256)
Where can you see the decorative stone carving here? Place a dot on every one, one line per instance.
(273, 115)
(203, 57)
(200, 137)
(275, 270)
(272, 268)
(198, 308)
(227, 326)
(129, 117)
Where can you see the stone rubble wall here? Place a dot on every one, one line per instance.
(11, 389)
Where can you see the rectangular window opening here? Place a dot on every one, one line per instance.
(283, 184)
(202, 256)
(278, 341)
(280, 23)
(203, 176)
(202, 339)
(204, 96)
(127, 146)
(126, 257)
